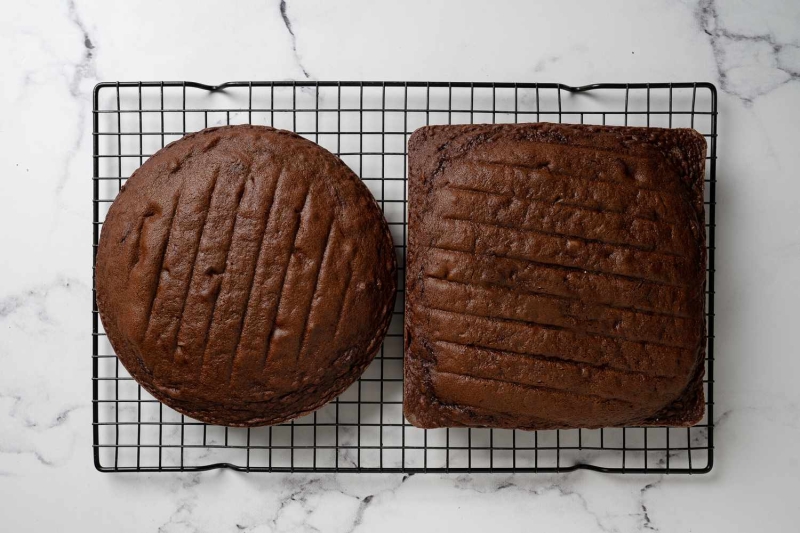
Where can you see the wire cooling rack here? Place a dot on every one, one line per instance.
(367, 124)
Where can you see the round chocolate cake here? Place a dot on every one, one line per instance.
(245, 276)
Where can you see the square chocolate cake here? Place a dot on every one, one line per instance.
(555, 277)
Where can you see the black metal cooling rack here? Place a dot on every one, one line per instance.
(367, 124)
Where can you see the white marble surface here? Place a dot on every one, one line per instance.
(54, 52)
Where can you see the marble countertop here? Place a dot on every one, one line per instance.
(54, 53)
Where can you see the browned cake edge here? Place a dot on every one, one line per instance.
(129, 356)
(429, 148)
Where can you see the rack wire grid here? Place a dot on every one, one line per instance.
(367, 124)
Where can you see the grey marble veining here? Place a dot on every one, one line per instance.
(288, 24)
(749, 64)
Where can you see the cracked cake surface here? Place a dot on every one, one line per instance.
(245, 276)
(555, 276)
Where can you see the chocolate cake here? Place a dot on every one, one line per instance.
(245, 276)
(556, 277)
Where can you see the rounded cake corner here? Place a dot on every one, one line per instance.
(420, 136)
(691, 135)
